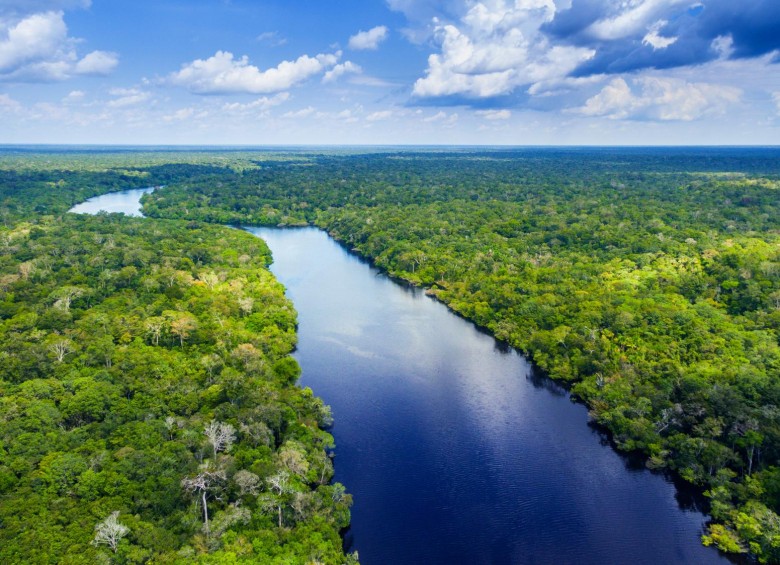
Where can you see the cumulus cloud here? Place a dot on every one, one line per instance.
(368, 39)
(544, 54)
(671, 33)
(615, 100)
(33, 39)
(496, 48)
(98, 63)
(223, 74)
(776, 99)
(347, 67)
(660, 99)
(37, 48)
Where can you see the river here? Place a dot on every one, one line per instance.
(127, 202)
(454, 449)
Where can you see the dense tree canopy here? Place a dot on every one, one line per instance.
(647, 278)
(148, 407)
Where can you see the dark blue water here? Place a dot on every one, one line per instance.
(453, 450)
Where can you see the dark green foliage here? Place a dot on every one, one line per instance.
(647, 278)
(122, 340)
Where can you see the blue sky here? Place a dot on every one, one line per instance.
(276, 72)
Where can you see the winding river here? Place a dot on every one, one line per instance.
(127, 202)
(454, 450)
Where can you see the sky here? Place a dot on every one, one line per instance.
(382, 72)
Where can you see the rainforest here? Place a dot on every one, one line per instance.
(147, 387)
(148, 411)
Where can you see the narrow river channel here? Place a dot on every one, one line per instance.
(454, 450)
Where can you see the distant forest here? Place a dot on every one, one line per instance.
(648, 279)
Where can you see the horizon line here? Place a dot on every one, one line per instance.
(4, 146)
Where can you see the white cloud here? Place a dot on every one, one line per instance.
(37, 48)
(660, 98)
(74, 96)
(259, 105)
(222, 74)
(495, 48)
(368, 39)
(302, 113)
(615, 100)
(630, 17)
(723, 45)
(379, 116)
(347, 67)
(127, 97)
(494, 114)
(35, 38)
(776, 98)
(97, 63)
(655, 39)
(44, 71)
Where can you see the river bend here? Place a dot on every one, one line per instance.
(454, 450)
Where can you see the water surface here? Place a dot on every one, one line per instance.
(126, 202)
(454, 451)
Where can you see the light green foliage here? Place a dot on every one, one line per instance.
(648, 279)
(723, 538)
(158, 349)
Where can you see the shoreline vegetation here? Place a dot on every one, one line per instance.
(148, 407)
(647, 279)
